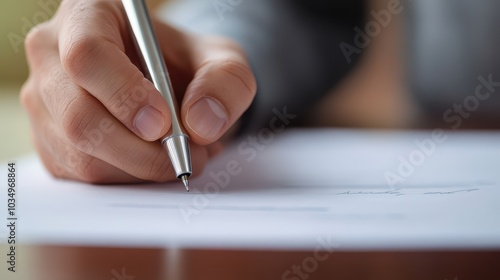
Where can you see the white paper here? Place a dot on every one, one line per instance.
(299, 190)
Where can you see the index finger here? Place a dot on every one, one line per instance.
(93, 45)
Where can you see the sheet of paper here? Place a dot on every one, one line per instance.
(298, 189)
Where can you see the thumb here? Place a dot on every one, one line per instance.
(222, 89)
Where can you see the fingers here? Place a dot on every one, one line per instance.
(91, 107)
(59, 156)
(222, 89)
(93, 130)
(92, 53)
(90, 145)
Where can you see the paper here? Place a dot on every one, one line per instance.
(292, 190)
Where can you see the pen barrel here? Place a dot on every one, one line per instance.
(151, 56)
(177, 148)
(177, 144)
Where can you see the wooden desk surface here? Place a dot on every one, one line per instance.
(79, 263)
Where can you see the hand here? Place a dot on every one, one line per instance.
(96, 118)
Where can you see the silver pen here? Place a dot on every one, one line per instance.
(177, 143)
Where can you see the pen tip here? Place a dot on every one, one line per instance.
(186, 182)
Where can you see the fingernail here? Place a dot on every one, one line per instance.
(149, 122)
(207, 118)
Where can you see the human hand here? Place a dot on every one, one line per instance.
(96, 118)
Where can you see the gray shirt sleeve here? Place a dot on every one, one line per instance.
(453, 60)
(295, 54)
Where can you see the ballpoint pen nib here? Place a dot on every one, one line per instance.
(186, 182)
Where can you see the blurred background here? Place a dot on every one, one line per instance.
(14, 132)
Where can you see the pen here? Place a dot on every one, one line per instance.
(177, 143)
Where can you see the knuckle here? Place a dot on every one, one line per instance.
(112, 6)
(127, 98)
(122, 155)
(88, 171)
(35, 40)
(235, 65)
(56, 169)
(161, 170)
(75, 120)
(26, 96)
(241, 72)
(57, 91)
(48, 159)
(77, 55)
(157, 168)
(78, 164)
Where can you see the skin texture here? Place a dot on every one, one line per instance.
(86, 91)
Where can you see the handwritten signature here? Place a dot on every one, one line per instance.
(401, 192)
